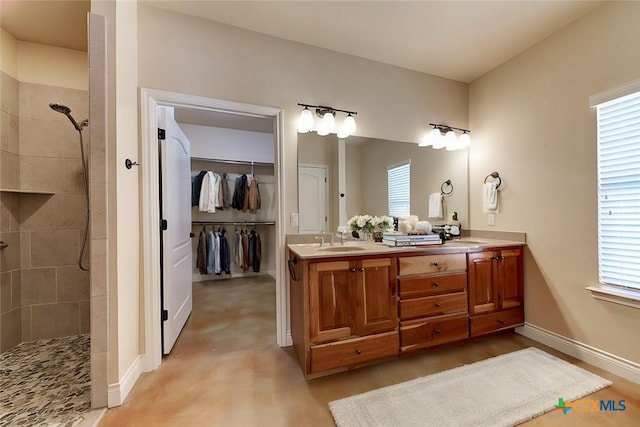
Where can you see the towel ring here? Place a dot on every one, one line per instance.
(494, 175)
(447, 182)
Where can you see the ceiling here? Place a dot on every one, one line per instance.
(459, 40)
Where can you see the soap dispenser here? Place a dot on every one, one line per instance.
(455, 229)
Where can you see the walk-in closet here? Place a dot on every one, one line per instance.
(233, 212)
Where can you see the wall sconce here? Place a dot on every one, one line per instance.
(327, 123)
(443, 136)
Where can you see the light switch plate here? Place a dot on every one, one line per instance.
(491, 219)
(294, 218)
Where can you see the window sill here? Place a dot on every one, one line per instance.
(628, 297)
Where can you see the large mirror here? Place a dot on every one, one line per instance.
(341, 178)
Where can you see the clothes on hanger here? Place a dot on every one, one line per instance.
(253, 202)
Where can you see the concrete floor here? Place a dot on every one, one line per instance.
(226, 370)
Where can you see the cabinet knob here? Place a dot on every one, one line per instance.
(436, 331)
(435, 263)
(435, 284)
(353, 270)
(358, 352)
(362, 269)
(436, 305)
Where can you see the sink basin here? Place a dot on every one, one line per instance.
(341, 248)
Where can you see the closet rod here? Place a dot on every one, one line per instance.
(233, 223)
(233, 162)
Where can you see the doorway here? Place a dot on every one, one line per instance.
(150, 100)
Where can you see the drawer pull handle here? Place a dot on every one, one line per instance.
(435, 284)
(500, 322)
(436, 305)
(436, 330)
(362, 269)
(435, 263)
(358, 352)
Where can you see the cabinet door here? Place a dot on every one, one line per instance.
(483, 289)
(330, 301)
(510, 278)
(375, 303)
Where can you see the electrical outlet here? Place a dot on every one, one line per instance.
(491, 219)
(294, 219)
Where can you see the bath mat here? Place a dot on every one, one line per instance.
(501, 391)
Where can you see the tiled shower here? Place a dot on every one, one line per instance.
(43, 292)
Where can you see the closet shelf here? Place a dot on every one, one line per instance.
(233, 223)
(232, 162)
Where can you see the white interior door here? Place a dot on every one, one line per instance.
(312, 198)
(176, 241)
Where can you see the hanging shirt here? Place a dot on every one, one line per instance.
(201, 260)
(210, 253)
(196, 187)
(254, 196)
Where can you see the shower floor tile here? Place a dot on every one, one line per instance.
(46, 383)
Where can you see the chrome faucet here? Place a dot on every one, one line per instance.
(321, 238)
(340, 235)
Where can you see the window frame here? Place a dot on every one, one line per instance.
(404, 180)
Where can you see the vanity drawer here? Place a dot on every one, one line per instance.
(350, 352)
(487, 323)
(432, 285)
(433, 331)
(425, 264)
(431, 306)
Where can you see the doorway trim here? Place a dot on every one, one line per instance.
(149, 100)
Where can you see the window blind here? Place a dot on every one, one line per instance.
(619, 191)
(399, 184)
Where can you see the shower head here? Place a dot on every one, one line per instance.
(67, 112)
(60, 108)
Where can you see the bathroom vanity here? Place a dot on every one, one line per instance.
(362, 302)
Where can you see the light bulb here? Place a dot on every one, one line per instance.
(464, 140)
(348, 127)
(450, 138)
(437, 140)
(327, 124)
(425, 141)
(305, 122)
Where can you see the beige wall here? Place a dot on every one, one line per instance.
(54, 66)
(532, 123)
(190, 55)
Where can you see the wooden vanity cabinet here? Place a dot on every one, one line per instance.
(352, 313)
(496, 291)
(433, 300)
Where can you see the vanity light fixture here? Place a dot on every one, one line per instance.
(327, 123)
(444, 136)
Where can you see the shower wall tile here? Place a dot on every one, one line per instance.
(98, 155)
(5, 212)
(38, 286)
(54, 174)
(37, 212)
(25, 250)
(55, 320)
(9, 133)
(5, 293)
(26, 324)
(35, 100)
(70, 212)
(38, 137)
(52, 248)
(10, 329)
(10, 256)
(99, 341)
(9, 101)
(73, 284)
(85, 317)
(98, 211)
(16, 288)
(99, 383)
(98, 267)
(9, 170)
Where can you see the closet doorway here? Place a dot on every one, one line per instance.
(200, 106)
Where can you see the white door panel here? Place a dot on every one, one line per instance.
(176, 240)
(312, 199)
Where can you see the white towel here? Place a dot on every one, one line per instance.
(435, 206)
(490, 197)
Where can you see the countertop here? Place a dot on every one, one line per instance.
(362, 248)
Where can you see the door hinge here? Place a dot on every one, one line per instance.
(165, 315)
(163, 224)
(162, 134)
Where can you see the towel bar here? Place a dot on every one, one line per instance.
(494, 175)
(447, 182)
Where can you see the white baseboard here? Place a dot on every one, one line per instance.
(289, 339)
(118, 392)
(594, 356)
